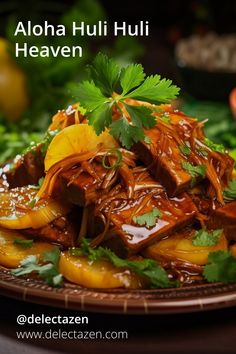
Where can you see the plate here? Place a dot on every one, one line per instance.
(158, 301)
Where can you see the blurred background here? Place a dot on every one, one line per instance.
(191, 42)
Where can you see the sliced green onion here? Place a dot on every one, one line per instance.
(117, 154)
(23, 243)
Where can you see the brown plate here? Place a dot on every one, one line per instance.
(160, 301)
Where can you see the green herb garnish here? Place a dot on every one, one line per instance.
(44, 143)
(31, 203)
(40, 182)
(23, 243)
(114, 152)
(48, 272)
(230, 192)
(194, 171)
(148, 267)
(221, 267)
(203, 238)
(148, 219)
(202, 151)
(165, 118)
(213, 146)
(185, 149)
(109, 88)
(147, 139)
(47, 140)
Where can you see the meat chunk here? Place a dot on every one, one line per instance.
(163, 156)
(82, 187)
(63, 231)
(29, 168)
(172, 145)
(24, 170)
(225, 218)
(119, 212)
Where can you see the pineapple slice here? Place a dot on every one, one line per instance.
(99, 274)
(11, 254)
(76, 139)
(18, 212)
(179, 246)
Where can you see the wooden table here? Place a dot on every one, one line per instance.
(196, 333)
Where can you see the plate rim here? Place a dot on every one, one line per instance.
(119, 301)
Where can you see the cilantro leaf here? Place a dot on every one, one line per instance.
(98, 97)
(148, 219)
(48, 272)
(23, 243)
(50, 275)
(148, 267)
(27, 266)
(194, 171)
(230, 192)
(154, 90)
(105, 73)
(213, 146)
(221, 267)
(185, 149)
(90, 96)
(131, 77)
(141, 116)
(101, 117)
(126, 133)
(203, 238)
(52, 256)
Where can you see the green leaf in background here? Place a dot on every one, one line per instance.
(221, 126)
(13, 141)
(50, 79)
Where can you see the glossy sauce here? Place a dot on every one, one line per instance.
(120, 211)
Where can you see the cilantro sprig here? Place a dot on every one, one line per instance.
(204, 238)
(221, 267)
(47, 271)
(230, 192)
(148, 219)
(148, 267)
(110, 87)
(194, 171)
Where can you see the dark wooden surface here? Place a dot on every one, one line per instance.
(196, 333)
